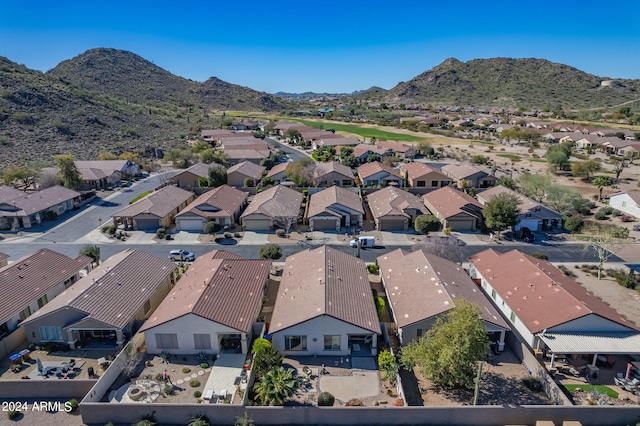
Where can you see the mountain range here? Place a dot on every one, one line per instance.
(108, 99)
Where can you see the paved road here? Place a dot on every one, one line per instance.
(294, 154)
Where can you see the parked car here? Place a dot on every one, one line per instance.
(527, 235)
(365, 241)
(182, 255)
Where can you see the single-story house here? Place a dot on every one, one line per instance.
(332, 173)
(30, 283)
(278, 173)
(108, 305)
(154, 211)
(22, 210)
(394, 209)
(630, 151)
(420, 175)
(421, 287)
(215, 135)
(334, 208)
(255, 156)
(549, 309)
(325, 306)
(476, 177)
(335, 142)
(398, 149)
(275, 207)
(454, 209)
(211, 309)
(364, 150)
(222, 205)
(627, 202)
(103, 173)
(239, 173)
(191, 177)
(533, 215)
(375, 173)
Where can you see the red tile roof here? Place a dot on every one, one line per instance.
(540, 294)
(324, 281)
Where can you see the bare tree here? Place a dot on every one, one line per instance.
(131, 360)
(604, 243)
(285, 222)
(447, 247)
(48, 179)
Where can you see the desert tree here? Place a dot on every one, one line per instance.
(501, 212)
(301, 172)
(276, 386)
(270, 251)
(585, 169)
(600, 182)
(26, 176)
(92, 251)
(447, 247)
(426, 223)
(217, 176)
(534, 185)
(604, 243)
(67, 171)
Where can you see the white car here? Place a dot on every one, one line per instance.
(182, 255)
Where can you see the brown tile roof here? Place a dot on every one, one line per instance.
(247, 168)
(247, 140)
(32, 276)
(222, 133)
(420, 286)
(34, 202)
(274, 202)
(222, 201)
(243, 154)
(363, 148)
(333, 141)
(527, 205)
(322, 169)
(198, 169)
(460, 171)
(415, 170)
(114, 291)
(279, 168)
(394, 201)
(8, 194)
(449, 202)
(107, 166)
(635, 196)
(540, 294)
(395, 146)
(369, 169)
(331, 198)
(227, 291)
(324, 281)
(159, 203)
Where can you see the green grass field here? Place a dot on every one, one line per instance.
(144, 194)
(588, 388)
(365, 132)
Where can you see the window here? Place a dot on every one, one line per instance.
(373, 182)
(419, 332)
(493, 294)
(147, 306)
(513, 317)
(624, 204)
(202, 341)
(332, 342)
(346, 182)
(42, 301)
(166, 341)
(434, 183)
(60, 208)
(25, 313)
(295, 343)
(4, 330)
(50, 333)
(420, 183)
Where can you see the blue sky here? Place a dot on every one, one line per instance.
(328, 46)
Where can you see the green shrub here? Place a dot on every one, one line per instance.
(364, 193)
(194, 383)
(574, 224)
(186, 370)
(354, 403)
(212, 227)
(373, 268)
(159, 377)
(160, 232)
(280, 232)
(227, 234)
(168, 389)
(204, 365)
(447, 231)
(325, 399)
(147, 420)
(620, 232)
(539, 255)
(608, 210)
(13, 414)
(600, 215)
(105, 229)
(625, 279)
(167, 236)
(531, 383)
(197, 394)
(236, 235)
(616, 212)
(73, 405)
(199, 420)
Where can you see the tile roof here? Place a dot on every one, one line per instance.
(540, 294)
(8, 194)
(415, 170)
(635, 196)
(279, 168)
(241, 154)
(527, 205)
(333, 141)
(222, 201)
(395, 146)
(322, 169)
(329, 200)
(460, 171)
(394, 201)
(159, 203)
(247, 168)
(420, 286)
(363, 148)
(449, 201)
(107, 166)
(198, 169)
(115, 290)
(32, 276)
(369, 169)
(274, 202)
(33, 202)
(222, 133)
(224, 290)
(324, 281)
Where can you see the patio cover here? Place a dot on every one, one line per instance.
(592, 343)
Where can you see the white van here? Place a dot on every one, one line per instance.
(366, 241)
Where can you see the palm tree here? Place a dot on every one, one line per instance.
(601, 182)
(91, 251)
(276, 386)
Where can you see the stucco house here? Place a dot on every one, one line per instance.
(363, 151)
(156, 210)
(398, 149)
(376, 173)
(325, 306)
(222, 205)
(211, 309)
(335, 142)
(421, 287)
(23, 210)
(332, 173)
(464, 172)
(549, 309)
(627, 202)
(533, 215)
(454, 209)
(334, 208)
(108, 305)
(191, 177)
(394, 209)
(30, 283)
(239, 173)
(274, 207)
(278, 173)
(420, 175)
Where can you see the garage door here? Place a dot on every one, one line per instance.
(194, 225)
(460, 225)
(391, 224)
(324, 224)
(147, 224)
(532, 224)
(257, 224)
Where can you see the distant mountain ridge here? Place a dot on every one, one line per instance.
(532, 83)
